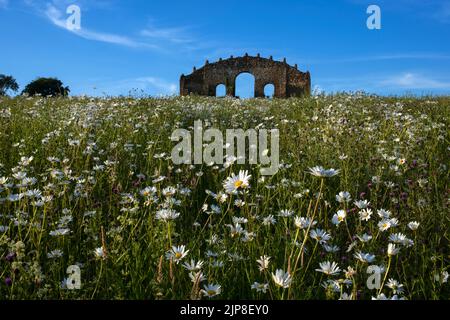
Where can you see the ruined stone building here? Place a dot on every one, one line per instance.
(288, 81)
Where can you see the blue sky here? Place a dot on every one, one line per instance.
(147, 45)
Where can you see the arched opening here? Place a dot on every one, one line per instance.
(221, 90)
(269, 90)
(245, 86)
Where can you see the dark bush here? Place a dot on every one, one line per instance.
(46, 87)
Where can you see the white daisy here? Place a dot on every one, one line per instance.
(263, 262)
(177, 253)
(384, 224)
(319, 171)
(99, 253)
(304, 223)
(211, 290)
(166, 215)
(286, 213)
(260, 287)
(392, 250)
(413, 225)
(320, 235)
(365, 214)
(236, 182)
(395, 286)
(329, 268)
(343, 196)
(281, 278)
(364, 257)
(193, 265)
(362, 204)
(339, 217)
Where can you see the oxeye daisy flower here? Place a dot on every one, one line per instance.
(169, 191)
(394, 222)
(350, 272)
(397, 238)
(319, 171)
(263, 263)
(54, 254)
(236, 182)
(197, 277)
(282, 279)
(364, 257)
(339, 217)
(286, 213)
(329, 268)
(365, 237)
(331, 248)
(365, 214)
(166, 215)
(177, 253)
(239, 203)
(395, 286)
(235, 230)
(239, 220)
(260, 287)
(362, 204)
(343, 196)
(384, 214)
(384, 224)
(304, 223)
(392, 250)
(60, 232)
(270, 219)
(320, 235)
(413, 225)
(148, 191)
(99, 253)
(211, 290)
(193, 265)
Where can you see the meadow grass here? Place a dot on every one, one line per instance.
(90, 182)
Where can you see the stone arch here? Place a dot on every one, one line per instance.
(269, 90)
(244, 83)
(221, 90)
(287, 80)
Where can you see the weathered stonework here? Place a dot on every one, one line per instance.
(288, 81)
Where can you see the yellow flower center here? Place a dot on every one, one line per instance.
(211, 292)
(178, 255)
(238, 184)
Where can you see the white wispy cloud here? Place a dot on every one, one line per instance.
(414, 81)
(161, 85)
(175, 35)
(57, 18)
(162, 40)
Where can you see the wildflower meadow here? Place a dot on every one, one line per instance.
(93, 207)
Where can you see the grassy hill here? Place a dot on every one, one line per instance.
(90, 182)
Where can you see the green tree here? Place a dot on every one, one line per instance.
(7, 83)
(46, 87)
